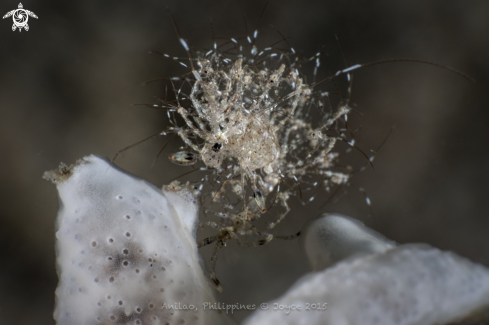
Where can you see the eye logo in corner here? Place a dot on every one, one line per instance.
(20, 17)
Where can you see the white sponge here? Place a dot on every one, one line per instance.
(335, 237)
(125, 253)
(406, 285)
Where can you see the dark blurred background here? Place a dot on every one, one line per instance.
(66, 87)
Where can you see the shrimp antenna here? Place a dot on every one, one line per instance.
(184, 44)
(358, 66)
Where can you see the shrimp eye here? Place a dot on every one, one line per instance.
(216, 147)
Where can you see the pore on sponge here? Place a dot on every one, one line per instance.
(125, 253)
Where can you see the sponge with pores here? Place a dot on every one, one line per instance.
(125, 253)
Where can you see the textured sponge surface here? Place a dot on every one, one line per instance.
(124, 254)
(407, 285)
